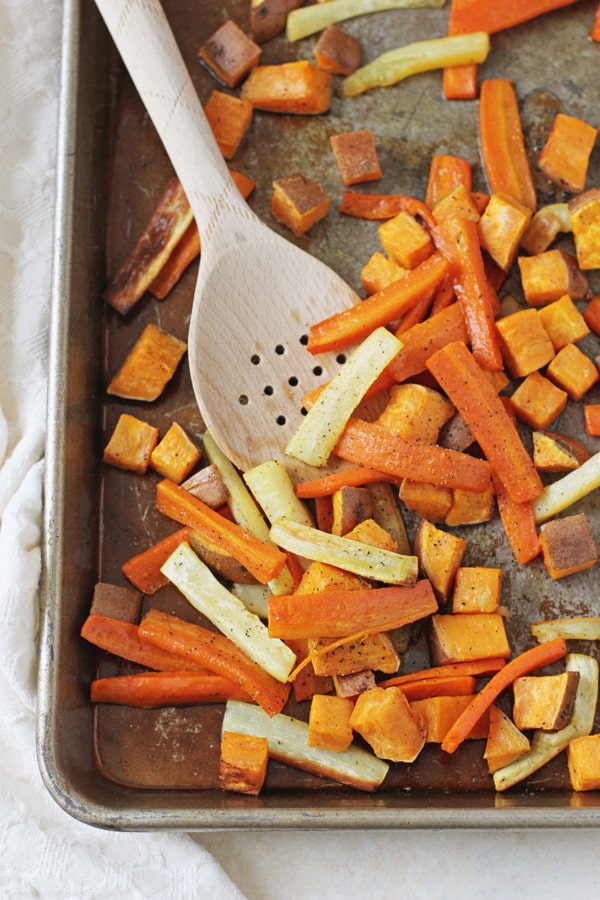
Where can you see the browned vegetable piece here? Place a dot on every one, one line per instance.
(553, 452)
(379, 271)
(298, 203)
(549, 275)
(149, 365)
(471, 507)
(458, 202)
(526, 345)
(329, 723)
(355, 684)
(584, 210)
(430, 501)
(416, 411)
(405, 240)
(477, 589)
(230, 54)
(268, 17)
(229, 118)
(568, 545)
(460, 638)
(356, 157)
(175, 455)
(131, 444)
(501, 228)
(563, 322)
(337, 52)
(386, 721)
(351, 505)
(440, 554)
(573, 371)
(544, 701)
(440, 713)
(371, 532)
(565, 155)
(166, 227)
(296, 87)
(537, 401)
(505, 742)
(306, 682)
(375, 652)
(116, 602)
(207, 485)
(583, 758)
(243, 762)
(222, 563)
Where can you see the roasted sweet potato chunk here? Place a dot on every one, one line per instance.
(356, 157)
(298, 202)
(243, 762)
(131, 444)
(230, 54)
(583, 757)
(544, 701)
(584, 210)
(149, 365)
(337, 52)
(386, 721)
(568, 545)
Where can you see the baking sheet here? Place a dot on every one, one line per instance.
(139, 769)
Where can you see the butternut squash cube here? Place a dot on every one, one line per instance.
(573, 371)
(471, 507)
(563, 322)
(371, 532)
(458, 202)
(230, 54)
(329, 722)
(351, 505)
(374, 651)
(149, 365)
(405, 240)
(547, 276)
(526, 345)
(567, 546)
(175, 455)
(385, 720)
(243, 762)
(460, 638)
(544, 702)
(229, 118)
(584, 210)
(554, 452)
(429, 501)
(337, 52)
(537, 401)
(501, 228)
(565, 155)
(440, 554)
(356, 157)
(416, 412)
(293, 88)
(440, 714)
(583, 759)
(477, 589)
(380, 271)
(131, 444)
(298, 203)
(505, 742)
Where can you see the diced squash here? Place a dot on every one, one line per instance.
(329, 722)
(306, 682)
(131, 444)
(386, 513)
(207, 485)
(537, 401)
(526, 345)
(380, 271)
(229, 118)
(477, 589)
(461, 638)
(175, 455)
(554, 452)
(296, 88)
(591, 419)
(243, 762)
(417, 412)
(583, 759)
(230, 54)
(298, 203)
(356, 157)
(501, 228)
(371, 532)
(337, 51)
(471, 507)
(544, 702)
(573, 371)
(584, 210)
(505, 742)
(351, 505)
(459, 202)
(563, 322)
(565, 156)
(440, 554)
(429, 501)
(440, 714)
(405, 240)
(568, 545)
(384, 719)
(375, 652)
(549, 275)
(149, 365)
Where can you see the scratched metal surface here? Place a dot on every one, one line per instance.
(143, 769)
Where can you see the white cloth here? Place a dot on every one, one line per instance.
(43, 851)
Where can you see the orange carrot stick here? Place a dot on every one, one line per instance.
(415, 315)
(384, 206)
(143, 569)
(123, 639)
(448, 670)
(340, 612)
(356, 322)
(519, 525)
(481, 15)
(262, 560)
(424, 339)
(536, 658)
(368, 444)
(595, 32)
(329, 484)
(471, 391)
(502, 145)
(149, 690)
(216, 652)
(452, 686)
(445, 173)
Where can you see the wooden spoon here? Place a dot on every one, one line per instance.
(256, 293)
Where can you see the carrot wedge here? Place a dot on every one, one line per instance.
(458, 374)
(384, 206)
(329, 484)
(149, 690)
(519, 525)
(452, 686)
(143, 569)
(526, 662)
(124, 640)
(448, 670)
(424, 339)
(215, 652)
(263, 560)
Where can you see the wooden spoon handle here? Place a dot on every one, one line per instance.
(143, 37)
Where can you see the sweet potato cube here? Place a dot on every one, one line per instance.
(526, 345)
(149, 365)
(298, 203)
(268, 17)
(384, 718)
(351, 505)
(380, 271)
(351, 686)
(573, 371)
(175, 455)
(386, 513)
(501, 228)
(229, 118)
(440, 554)
(584, 210)
(544, 701)
(207, 485)
(458, 202)
(544, 226)
(591, 419)
(505, 742)
(375, 652)
(567, 545)
(553, 452)
(547, 276)
(329, 722)
(471, 507)
(243, 762)
(405, 240)
(440, 714)
(321, 576)
(583, 760)
(116, 602)
(306, 682)
(429, 501)
(131, 444)
(563, 322)
(565, 155)
(460, 638)
(371, 532)
(337, 52)
(537, 401)
(445, 172)
(295, 88)
(477, 589)
(356, 157)
(416, 412)
(230, 54)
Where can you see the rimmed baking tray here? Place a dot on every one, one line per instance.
(135, 769)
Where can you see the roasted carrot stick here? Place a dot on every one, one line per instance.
(339, 612)
(471, 391)
(384, 206)
(148, 690)
(425, 339)
(595, 32)
(519, 525)
(452, 686)
(262, 560)
(367, 444)
(143, 569)
(536, 658)
(329, 484)
(502, 145)
(356, 322)
(449, 670)
(216, 652)
(123, 639)
(445, 173)
(481, 15)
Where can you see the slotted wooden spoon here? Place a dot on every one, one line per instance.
(257, 293)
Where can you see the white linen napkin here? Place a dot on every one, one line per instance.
(43, 851)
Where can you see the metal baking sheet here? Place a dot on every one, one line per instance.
(138, 769)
